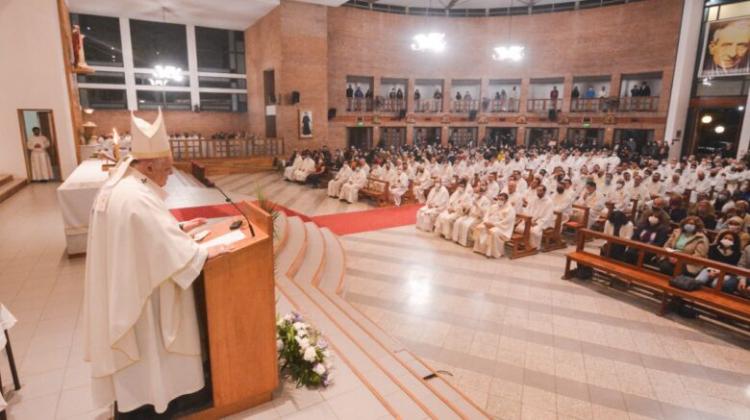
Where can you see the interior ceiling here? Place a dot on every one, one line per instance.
(466, 4)
(228, 14)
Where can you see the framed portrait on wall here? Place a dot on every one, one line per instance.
(305, 124)
(725, 48)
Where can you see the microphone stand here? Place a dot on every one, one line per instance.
(229, 200)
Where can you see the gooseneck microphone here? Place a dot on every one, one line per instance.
(229, 200)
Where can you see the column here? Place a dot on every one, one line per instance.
(609, 135)
(692, 16)
(409, 134)
(744, 142)
(127, 62)
(375, 135)
(523, 95)
(481, 131)
(444, 135)
(567, 87)
(447, 97)
(410, 86)
(376, 89)
(192, 49)
(521, 136)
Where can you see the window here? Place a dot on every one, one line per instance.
(103, 98)
(102, 45)
(158, 43)
(105, 77)
(151, 99)
(222, 82)
(226, 102)
(220, 50)
(144, 79)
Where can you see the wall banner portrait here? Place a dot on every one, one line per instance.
(305, 124)
(725, 48)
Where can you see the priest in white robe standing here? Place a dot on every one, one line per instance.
(140, 323)
(41, 166)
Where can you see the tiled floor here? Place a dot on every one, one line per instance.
(300, 198)
(525, 344)
(518, 340)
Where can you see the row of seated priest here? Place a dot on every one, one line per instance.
(472, 196)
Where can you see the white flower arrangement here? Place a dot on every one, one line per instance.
(303, 353)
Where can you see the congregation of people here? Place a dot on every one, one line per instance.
(696, 206)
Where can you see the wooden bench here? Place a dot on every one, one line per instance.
(377, 190)
(575, 225)
(552, 238)
(724, 305)
(520, 243)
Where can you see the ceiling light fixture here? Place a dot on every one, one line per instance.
(431, 41)
(706, 119)
(719, 129)
(510, 52)
(741, 108)
(161, 75)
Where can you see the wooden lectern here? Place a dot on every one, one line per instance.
(240, 318)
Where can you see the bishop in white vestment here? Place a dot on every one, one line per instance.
(140, 322)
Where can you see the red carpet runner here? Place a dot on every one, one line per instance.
(340, 223)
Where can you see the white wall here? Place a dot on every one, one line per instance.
(32, 76)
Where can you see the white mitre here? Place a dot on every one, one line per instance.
(149, 141)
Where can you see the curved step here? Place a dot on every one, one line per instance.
(331, 286)
(281, 231)
(315, 254)
(290, 256)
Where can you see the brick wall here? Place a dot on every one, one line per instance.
(206, 123)
(314, 48)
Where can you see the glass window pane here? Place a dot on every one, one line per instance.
(733, 10)
(103, 98)
(144, 79)
(108, 77)
(220, 50)
(224, 102)
(221, 82)
(148, 99)
(101, 45)
(720, 87)
(158, 43)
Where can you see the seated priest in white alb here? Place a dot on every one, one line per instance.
(437, 199)
(140, 322)
(358, 180)
(619, 197)
(422, 183)
(463, 227)
(399, 185)
(41, 166)
(562, 201)
(590, 198)
(334, 185)
(496, 228)
(539, 209)
(296, 164)
(460, 200)
(307, 167)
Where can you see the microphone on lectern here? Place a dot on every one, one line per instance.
(229, 200)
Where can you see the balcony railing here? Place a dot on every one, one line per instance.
(195, 148)
(464, 105)
(639, 104)
(589, 104)
(542, 105)
(428, 105)
(359, 104)
(504, 105)
(383, 104)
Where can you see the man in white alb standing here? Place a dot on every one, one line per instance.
(140, 322)
(41, 166)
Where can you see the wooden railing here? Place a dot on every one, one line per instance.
(588, 104)
(639, 104)
(504, 105)
(187, 149)
(383, 104)
(464, 105)
(359, 104)
(543, 105)
(428, 105)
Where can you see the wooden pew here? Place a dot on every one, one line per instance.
(574, 225)
(376, 189)
(552, 238)
(727, 307)
(520, 243)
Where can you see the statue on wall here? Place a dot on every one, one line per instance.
(79, 59)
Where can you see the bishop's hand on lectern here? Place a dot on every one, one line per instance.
(141, 327)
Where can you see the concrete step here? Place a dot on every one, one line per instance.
(8, 187)
(5, 178)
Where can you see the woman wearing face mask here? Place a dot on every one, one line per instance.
(736, 225)
(654, 232)
(725, 250)
(687, 239)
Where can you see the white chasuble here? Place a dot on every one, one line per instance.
(141, 327)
